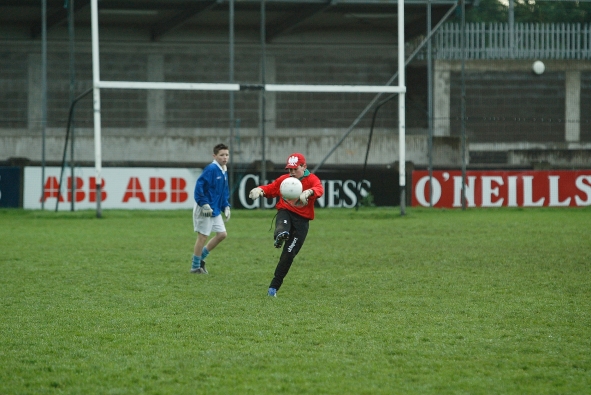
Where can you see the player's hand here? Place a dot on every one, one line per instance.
(305, 195)
(255, 193)
(227, 213)
(206, 210)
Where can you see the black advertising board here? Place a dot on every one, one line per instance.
(10, 186)
(379, 187)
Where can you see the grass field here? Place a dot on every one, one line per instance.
(483, 301)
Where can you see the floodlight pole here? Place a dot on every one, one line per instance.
(463, 103)
(96, 103)
(72, 98)
(430, 102)
(44, 95)
(263, 102)
(231, 67)
(401, 110)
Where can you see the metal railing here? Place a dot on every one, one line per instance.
(523, 41)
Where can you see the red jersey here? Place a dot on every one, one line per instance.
(309, 181)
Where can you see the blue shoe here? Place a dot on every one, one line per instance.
(281, 237)
(272, 292)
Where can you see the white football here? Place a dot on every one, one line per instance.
(538, 67)
(290, 188)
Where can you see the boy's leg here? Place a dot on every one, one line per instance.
(220, 229)
(299, 231)
(282, 227)
(282, 222)
(199, 245)
(214, 241)
(203, 226)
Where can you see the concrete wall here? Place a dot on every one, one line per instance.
(548, 159)
(129, 146)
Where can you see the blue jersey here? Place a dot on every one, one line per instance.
(212, 188)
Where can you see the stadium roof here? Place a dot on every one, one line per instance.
(156, 19)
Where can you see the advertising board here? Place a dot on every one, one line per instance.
(342, 189)
(503, 188)
(10, 186)
(122, 188)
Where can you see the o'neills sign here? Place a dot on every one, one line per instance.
(503, 188)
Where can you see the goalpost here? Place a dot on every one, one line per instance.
(97, 85)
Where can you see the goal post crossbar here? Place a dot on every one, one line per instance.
(193, 86)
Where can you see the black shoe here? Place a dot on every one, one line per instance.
(281, 237)
(203, 269)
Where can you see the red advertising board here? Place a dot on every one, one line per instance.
(503, 188)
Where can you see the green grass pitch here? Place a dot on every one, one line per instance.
(482, 301)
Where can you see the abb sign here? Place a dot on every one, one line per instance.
(128, 188)
(503, 188)
(51, 189)
(158, 192)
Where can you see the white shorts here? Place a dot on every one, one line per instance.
(206, 225)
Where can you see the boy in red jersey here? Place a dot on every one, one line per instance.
(292, 221)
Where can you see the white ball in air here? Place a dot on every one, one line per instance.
(538, 67)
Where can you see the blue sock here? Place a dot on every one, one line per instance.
(196, 262)
(204, 253)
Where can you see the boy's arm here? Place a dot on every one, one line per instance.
(314, 189)
(226, 196)
(272, 189)
(200, 187)
(317, 186)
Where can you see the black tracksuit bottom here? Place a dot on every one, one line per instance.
(297, 226)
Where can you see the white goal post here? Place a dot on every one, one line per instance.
(233, 87)
(196, 86)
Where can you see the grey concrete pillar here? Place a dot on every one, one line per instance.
(573, 107)
(441, 100)
(156, 122)
(35, 93)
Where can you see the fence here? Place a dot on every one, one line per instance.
(523, 41)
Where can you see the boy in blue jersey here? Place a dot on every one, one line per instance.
(212, 196)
